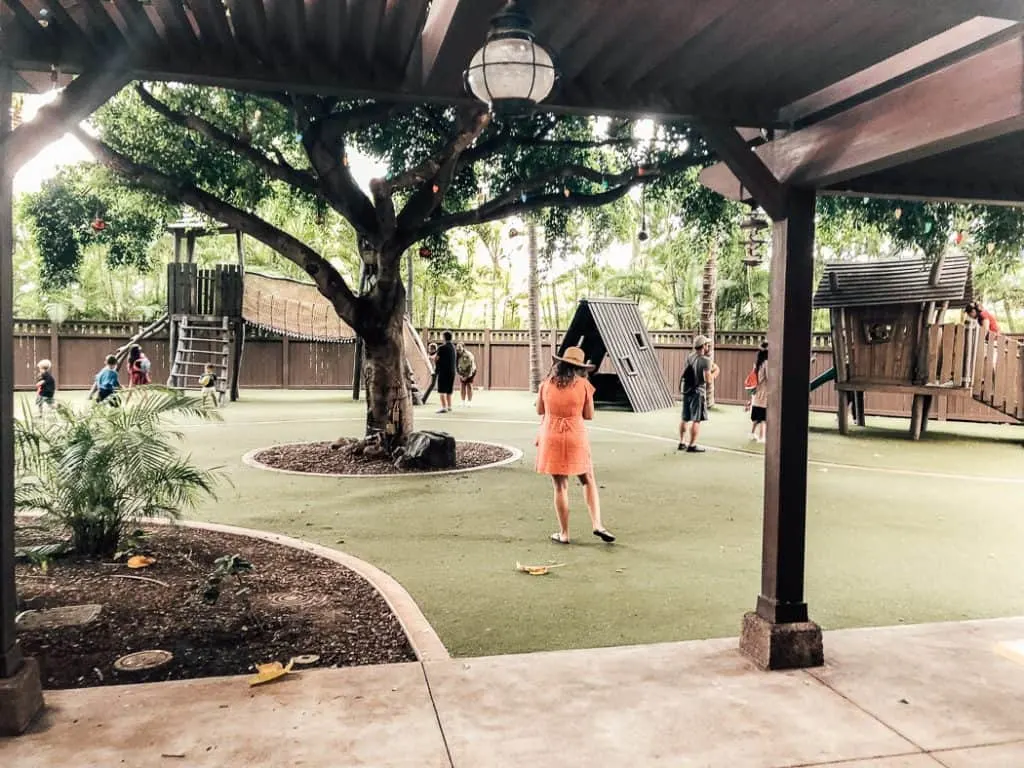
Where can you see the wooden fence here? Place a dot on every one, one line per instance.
(77, 350)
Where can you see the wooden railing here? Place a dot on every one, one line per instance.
(999, 375)
(950, 359)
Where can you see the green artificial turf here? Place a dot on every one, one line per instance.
(909, 533)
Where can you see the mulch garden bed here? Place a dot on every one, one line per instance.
(297, 604)
(321, 459)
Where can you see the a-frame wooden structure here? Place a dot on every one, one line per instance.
(612, 334)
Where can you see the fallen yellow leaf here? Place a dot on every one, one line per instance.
(272, 671)
(537, 570)
(140, 561)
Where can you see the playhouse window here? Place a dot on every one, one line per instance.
(628, 367)
(878, 333)
(641, 342)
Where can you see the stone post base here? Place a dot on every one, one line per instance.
(21, 698)
(781, 646)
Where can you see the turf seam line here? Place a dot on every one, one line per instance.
(437, 715)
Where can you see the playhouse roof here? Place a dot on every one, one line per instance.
(894, 281)
(622, 336)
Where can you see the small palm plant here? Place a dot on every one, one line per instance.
(97, 472)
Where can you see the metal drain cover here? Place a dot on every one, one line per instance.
(143, 660)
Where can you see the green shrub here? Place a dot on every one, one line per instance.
(98, 471)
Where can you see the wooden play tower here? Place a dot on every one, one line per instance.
(889, 334)
(204, 310)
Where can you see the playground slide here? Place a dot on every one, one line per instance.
(825, 378)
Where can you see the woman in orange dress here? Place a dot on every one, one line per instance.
(566, 399)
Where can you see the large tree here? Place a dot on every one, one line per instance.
(221, 152)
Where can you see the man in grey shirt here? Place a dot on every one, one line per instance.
(699, 371)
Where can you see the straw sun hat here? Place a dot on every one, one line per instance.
(575, 357)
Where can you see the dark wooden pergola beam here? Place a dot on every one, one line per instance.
(81, 98)
(931, 55)
(440, 53)
(971, 101)
(750, 171)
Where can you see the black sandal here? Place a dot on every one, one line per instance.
(604, 536)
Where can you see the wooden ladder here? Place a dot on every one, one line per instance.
(201, 342)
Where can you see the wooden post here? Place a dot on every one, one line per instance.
(286, 362)
(843, 411)
(10, 651)
(778, 635)
(236, 358)
(177, 247)
(487, 358)
(55, 348)
(928, 399)
(238, 249)
(916, 416)
(190, 247)
(858, 408)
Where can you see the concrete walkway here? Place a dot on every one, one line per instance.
(902, 697)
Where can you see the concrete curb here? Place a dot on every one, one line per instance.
(424, 640)
(250, 459)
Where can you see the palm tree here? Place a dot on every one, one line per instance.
(708, 297)
(534, 309)
(97, 472)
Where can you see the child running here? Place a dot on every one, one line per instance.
(208, 385)
(106, 382)
(46, 386)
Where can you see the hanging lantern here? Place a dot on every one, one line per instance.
(98, 224)
(754, 224)
(959, 238)
(513, 232)
(898, 213)
(425, 252)
(435, 189)
(642, 234)
(511, 73)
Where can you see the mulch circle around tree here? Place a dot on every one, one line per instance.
(297, 604)
(320, 458)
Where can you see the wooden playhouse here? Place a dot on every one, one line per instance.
(889, 334)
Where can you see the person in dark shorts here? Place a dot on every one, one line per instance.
(106, 383)
(759, 397)
(465, 366)
(46, 386)
(699, 371)
(444, 364)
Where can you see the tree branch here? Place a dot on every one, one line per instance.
(328, 281)
(324, 142)
(279, 170)
(512, 204)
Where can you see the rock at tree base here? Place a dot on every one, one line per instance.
(428, 450)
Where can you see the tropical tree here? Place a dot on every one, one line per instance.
(221, 152)
(97, 472)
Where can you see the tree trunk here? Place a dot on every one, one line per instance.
(389, 412)
(708, 297)
(533, 321)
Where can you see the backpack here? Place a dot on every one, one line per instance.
(689, 375)
(144, 364)
(206, 380)
(750, 383)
